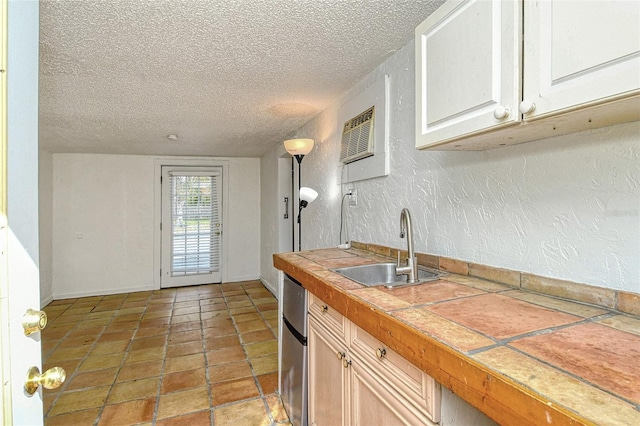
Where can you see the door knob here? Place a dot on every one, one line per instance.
(50, 379)
(33, 321)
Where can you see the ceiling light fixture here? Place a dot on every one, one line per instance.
(172, 137)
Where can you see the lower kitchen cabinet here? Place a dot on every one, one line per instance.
(355, 380)
(328, 379)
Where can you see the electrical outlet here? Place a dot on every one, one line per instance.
(353, 198)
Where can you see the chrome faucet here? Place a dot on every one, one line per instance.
(411, 270)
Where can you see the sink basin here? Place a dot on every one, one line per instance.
(384, 274)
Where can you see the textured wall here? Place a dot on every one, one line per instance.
(566, 207)
(269, 218)
(45, 228)
(114, 212)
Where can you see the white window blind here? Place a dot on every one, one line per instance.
(195, 223)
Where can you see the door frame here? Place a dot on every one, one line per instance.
(158, 163)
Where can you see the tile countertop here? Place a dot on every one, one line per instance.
(520, 357)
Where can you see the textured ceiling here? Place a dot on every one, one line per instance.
(229, 77)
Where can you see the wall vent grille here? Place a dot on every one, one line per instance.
(357, 137)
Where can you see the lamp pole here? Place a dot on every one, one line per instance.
(298, 148)
(299, 158)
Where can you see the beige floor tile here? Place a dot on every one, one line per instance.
(182, 363)
(229, 371)
(242, 310)
(261, 349)
(185, 326)
(252, 316)
(277, 409)
(91, 379)
(128, 413)
(183, 380)
(184, 336)
(245, 327)
(80, 400)
(243, 413)
(140, 370)
(152, 331)
(233, 390)
(265, 364)
(256, 336)
(100, 362)
(224, 355)
(110, 347)
(193, 419)
(119, 335)
(135, 389)
(178, 403)
(149, 342)
(213, 343)
(268, 383)
(69, 353)
(186, 348)
(86, 417)
(145, 355)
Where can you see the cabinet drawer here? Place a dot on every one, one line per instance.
(411, 382)
(328, 317)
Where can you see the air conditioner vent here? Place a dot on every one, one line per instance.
(357, 137)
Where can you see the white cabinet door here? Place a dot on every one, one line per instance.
(328, 379)
(579, 52)
(467, 69)
(374, 402)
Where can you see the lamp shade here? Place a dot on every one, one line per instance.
(307, 194)
(298, 146)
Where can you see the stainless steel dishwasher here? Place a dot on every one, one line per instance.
(294, 351)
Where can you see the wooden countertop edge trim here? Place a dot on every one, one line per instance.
(502, 399)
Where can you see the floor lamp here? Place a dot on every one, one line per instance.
(298, 148)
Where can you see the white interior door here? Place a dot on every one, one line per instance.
(191, 226)
(19, 272)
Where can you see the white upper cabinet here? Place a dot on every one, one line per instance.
(575, 65)
(579, 52)
(467, 69)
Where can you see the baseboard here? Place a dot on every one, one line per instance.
(272, 288)
(241, 278)
(44, 302)
(103, 292)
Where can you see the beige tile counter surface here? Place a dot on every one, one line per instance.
(518, 356)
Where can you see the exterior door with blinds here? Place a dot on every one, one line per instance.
(191, 226)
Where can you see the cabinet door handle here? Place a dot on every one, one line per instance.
(526, 107)
(501, 112)
(341, 355)
(346, 363)
(381, 352)
(325, 308)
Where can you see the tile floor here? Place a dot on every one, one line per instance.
(201, 355)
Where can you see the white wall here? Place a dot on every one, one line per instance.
(103, 223)
(269, 218)
(45, 206)
(566, 207)
(244, 219)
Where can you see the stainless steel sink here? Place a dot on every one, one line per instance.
(384, 274)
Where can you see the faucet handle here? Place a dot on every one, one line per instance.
(398, 258)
